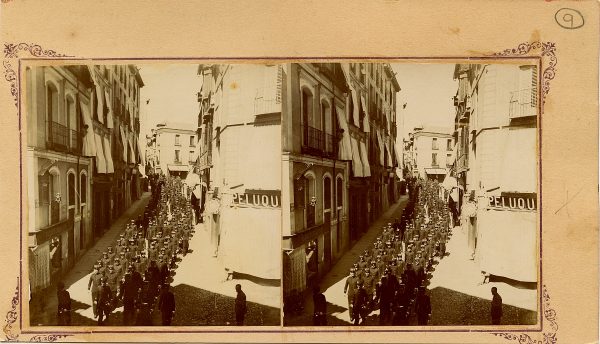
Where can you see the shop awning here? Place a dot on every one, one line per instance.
(507, 244)
(192, 179)
(89, 142)
(381, 149)
(399, 173)
(366, 123)
(398, 152)
(365, 160)
(435, 171)
(178, 168)
(124, 142)
(357, 169)
(390, 157)
(355, 115)
(345, 146)
(99, 94)
(100, 157)
(131, 150)
(139, 148)
(110, 168)
(109, 117)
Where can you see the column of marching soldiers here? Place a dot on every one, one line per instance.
(136, 270)
(394, 274)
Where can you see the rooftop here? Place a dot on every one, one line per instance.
(176, 125)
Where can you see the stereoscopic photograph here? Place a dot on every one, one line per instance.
(413, 192)
(154, 194)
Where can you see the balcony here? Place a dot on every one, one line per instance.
(523, 103)
(58, 138)
(317, 142)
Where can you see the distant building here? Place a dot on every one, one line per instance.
(172, 149)
(496, 166)
(431, 152)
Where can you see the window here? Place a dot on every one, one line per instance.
(83, 188)
(326, 118)
(434, 144)
(192, 141)
(191, 157)
(311, 201)
(307, 113)
(177, 156)
(434, 161)
(71, 187)
(177, 143)
(448, 160)
(449, 145)
(326, 194)
(339, 189)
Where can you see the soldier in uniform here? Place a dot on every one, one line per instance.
(369, 286)
(104, 302)
(423, 307)
(359, 304)
(349, 291)
(94, 285)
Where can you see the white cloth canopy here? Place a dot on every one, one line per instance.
(89, 142)
(357, 168)
(365, 160)
(124, 141)
(345, 148)
(109, 117)
(110, 168)
(192, 179)
(381, 149)
(100, 157)
(366, 124)
(355, 115)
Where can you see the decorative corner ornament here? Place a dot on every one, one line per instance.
(549, 60)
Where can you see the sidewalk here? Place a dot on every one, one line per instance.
(77, 278)
(332, 284)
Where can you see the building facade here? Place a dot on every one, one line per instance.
(432, 152)
(339, 159)
(496, 166)
(239, 163)
(59, 170)
(172, 148)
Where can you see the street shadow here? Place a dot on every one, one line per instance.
(514, 283)
(450, 307)
(257, 280)
(199, 307)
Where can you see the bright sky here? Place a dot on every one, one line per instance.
(427, 89)
(171, 89)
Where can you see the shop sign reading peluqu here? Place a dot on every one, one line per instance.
(258, 198)
(513, 201)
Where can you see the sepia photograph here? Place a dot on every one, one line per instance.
(154, 194)
(412, 192)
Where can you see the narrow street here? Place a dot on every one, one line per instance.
(208, 300)
(43, 310)
(457, 294)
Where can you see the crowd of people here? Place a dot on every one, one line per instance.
(136, 270)
(393, 275)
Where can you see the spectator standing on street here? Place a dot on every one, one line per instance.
(423, 307)
(240, 305)
(64, 305)
(496, 307)
(320, 307)
(94, 285)
(166, 305)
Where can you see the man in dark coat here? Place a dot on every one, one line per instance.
(240, 305)
(320, 308)
(64, 305)
(128, 293)
(423, 307)
(496, 307)
(359, 304)
(104, 301)
(166, 305)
